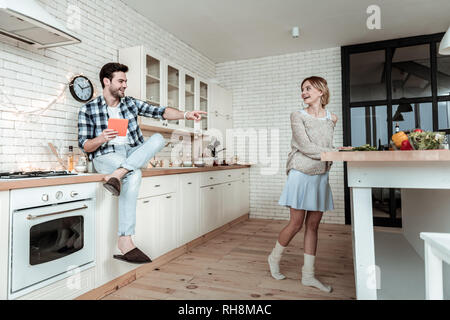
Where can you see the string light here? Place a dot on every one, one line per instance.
(39, 111)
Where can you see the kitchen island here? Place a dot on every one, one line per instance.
(423, 176)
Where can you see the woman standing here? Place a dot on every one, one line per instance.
(307, 192)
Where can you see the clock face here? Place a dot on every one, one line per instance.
(82, 89)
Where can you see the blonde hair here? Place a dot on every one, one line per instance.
(320, 84)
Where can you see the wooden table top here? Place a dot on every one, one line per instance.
(369, 156)
(95, 177)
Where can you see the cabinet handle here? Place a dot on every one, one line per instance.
(168, 197)
(146, 201)
(229, 175)
(211, 188)
(211, 178)
(157, 185)
(189, 182)
(229, 184)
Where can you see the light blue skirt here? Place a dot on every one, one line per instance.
(305, 192)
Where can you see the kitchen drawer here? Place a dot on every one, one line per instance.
(211, 177)
(231, 175)
(242, 174)
(154, 186)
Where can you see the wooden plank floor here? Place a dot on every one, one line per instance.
(233, 265)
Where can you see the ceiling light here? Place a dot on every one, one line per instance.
(444, 47)
(398, 117)
(404, 107)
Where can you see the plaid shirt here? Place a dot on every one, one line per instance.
(93, 119)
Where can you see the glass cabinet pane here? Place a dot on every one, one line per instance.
(204, 103)
(153, 81)
(173, 89)
(189, 98)
(443, 73)
(367, 76)
(411, 72)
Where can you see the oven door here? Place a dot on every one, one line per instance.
(48, 242)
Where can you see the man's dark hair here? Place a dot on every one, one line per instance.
(108, 70)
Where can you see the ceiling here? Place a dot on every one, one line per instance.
(243, 29)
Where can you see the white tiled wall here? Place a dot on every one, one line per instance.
(31, 78)
(265, 92)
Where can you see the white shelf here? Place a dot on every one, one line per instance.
(172, 86)
(152, 79)
(153, 102)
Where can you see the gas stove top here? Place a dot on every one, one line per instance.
(34, 174)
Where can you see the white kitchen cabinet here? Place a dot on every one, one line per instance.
(231, 201)
(146, 79)
(168, 224)
(106, 237)
(243, 194)
(158, 81)
(147, 211)
(190, 207)
(157, 226)
(211, 210)
(4, 240)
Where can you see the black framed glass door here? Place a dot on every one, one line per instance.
(402, 81)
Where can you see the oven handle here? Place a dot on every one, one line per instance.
(31, 217)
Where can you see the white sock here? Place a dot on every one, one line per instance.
(308, 278)
(274, 261)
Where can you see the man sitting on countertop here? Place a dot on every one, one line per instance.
(121, 157)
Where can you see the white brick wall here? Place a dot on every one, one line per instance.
(265, 92)
(31, 78)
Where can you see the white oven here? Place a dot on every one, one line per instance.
(52, 233)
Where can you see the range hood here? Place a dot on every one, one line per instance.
(27, 21)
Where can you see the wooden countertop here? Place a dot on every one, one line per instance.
(414, 155)
(95, 177)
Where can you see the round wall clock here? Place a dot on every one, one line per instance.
(81, 89)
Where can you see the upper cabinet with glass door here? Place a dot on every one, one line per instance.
(189, 97)
(173, 92)
(204, 104)
(145, 78)
(157, 81)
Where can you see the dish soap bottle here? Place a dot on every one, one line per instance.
(70, 159)
(397, 128)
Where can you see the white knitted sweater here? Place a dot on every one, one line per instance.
(310, 137)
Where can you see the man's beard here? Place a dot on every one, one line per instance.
(116, 93)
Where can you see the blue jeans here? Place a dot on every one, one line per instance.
(132, 159)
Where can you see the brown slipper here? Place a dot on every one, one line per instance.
(133, 256)
(113, 186)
